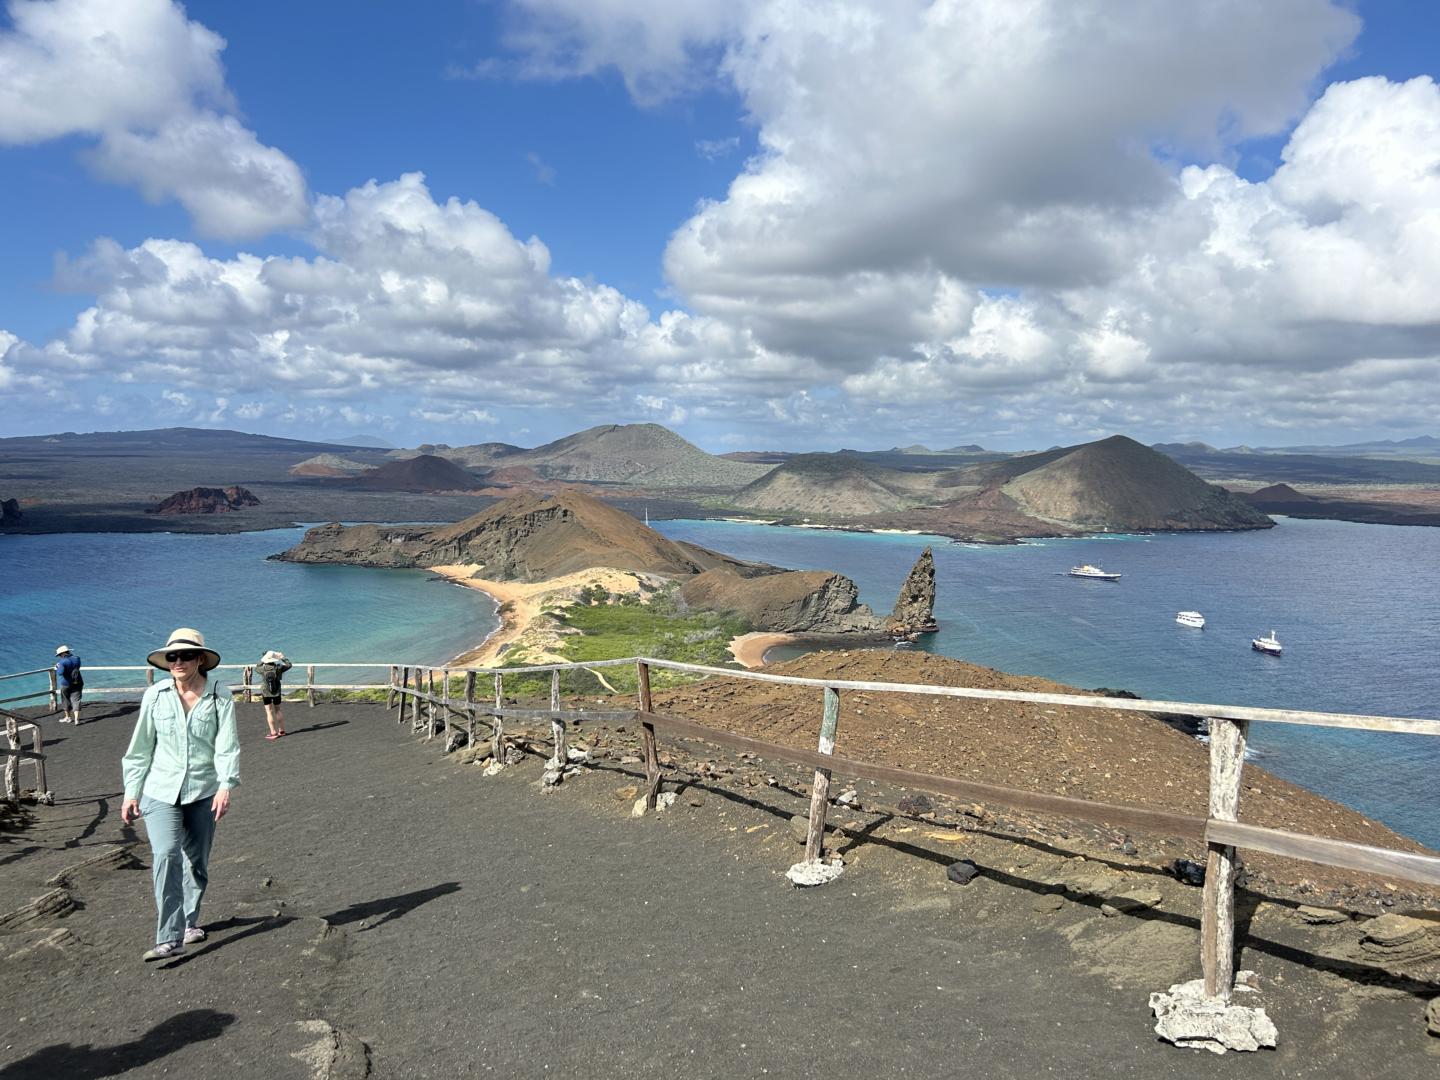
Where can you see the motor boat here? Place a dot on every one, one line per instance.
(1269, 644)
(1093, 572)
(1191, 618)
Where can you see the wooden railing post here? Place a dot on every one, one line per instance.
(149, 675)
(310, 684)
(444, 705)
(245, 677)
(401, 695)
(497, 723)
(647, 738)
(429, 700)
(557, 725)
(394, 678)
(1217, 920)
(470, 708)
(54, 691)
(820, 793)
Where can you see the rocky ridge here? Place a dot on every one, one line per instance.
(796, 601)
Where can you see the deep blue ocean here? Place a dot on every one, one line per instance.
(112, 597)
(1357, 608)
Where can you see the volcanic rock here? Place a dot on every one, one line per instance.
(796, 601)
(204, 500)
(915, 606)
(10, 511)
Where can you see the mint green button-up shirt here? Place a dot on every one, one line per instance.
(178, 759)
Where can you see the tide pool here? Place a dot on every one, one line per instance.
(1357, 608)
(114, 596)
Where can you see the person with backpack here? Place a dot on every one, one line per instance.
(68, 684)
(271, 667)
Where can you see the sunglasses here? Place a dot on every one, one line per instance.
(187, 655)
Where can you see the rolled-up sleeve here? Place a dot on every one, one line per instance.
(135, 765)
(227, 741)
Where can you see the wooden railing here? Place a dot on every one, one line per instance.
(1222, 832)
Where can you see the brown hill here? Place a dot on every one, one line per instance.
(1118, 484)
(424, 473)
(834, 485)
(1113, 485)
(645, 455)
(524, 538)
(328, 465)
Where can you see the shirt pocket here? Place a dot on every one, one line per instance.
(205, 720)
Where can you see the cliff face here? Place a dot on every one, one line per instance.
(796, 601)
(203, 500)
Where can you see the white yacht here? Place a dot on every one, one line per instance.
(1093, 572)
(1191, 618)
(1269, 644)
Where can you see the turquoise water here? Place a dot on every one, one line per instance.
(114, 596)
(1357, 608)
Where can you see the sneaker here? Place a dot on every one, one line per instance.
(194, 934)
(165, 951)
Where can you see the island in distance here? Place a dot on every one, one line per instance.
(535, 538)
(107, 481)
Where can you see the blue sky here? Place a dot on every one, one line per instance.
(763, 223)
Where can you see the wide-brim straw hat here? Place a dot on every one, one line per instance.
(62, 650)
(272, 656)
(185, 638)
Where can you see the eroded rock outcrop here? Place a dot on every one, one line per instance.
(796, 601)
(10, 511)
(204, 500)
(915, 606)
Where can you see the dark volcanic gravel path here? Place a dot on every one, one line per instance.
(367, 889)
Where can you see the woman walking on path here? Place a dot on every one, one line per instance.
(182, 764)
(271, 667)
(69, 683)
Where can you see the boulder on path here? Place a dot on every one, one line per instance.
(1186, 1017)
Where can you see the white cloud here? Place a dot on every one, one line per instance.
(714, 149)
(147, 84)
(965, 219)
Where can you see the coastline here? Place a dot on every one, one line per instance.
(749, 649)
(520, 605)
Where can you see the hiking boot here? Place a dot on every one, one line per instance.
(165, 951)
(194, 935)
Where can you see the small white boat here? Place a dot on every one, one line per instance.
(1092, 572)
(1191, 618)
(1269, 644)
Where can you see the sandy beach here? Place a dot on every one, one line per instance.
(519, 604)
(749, 649)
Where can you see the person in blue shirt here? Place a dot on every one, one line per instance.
(182, 765)
(68, 684)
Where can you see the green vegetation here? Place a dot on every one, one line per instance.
(614, 625)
